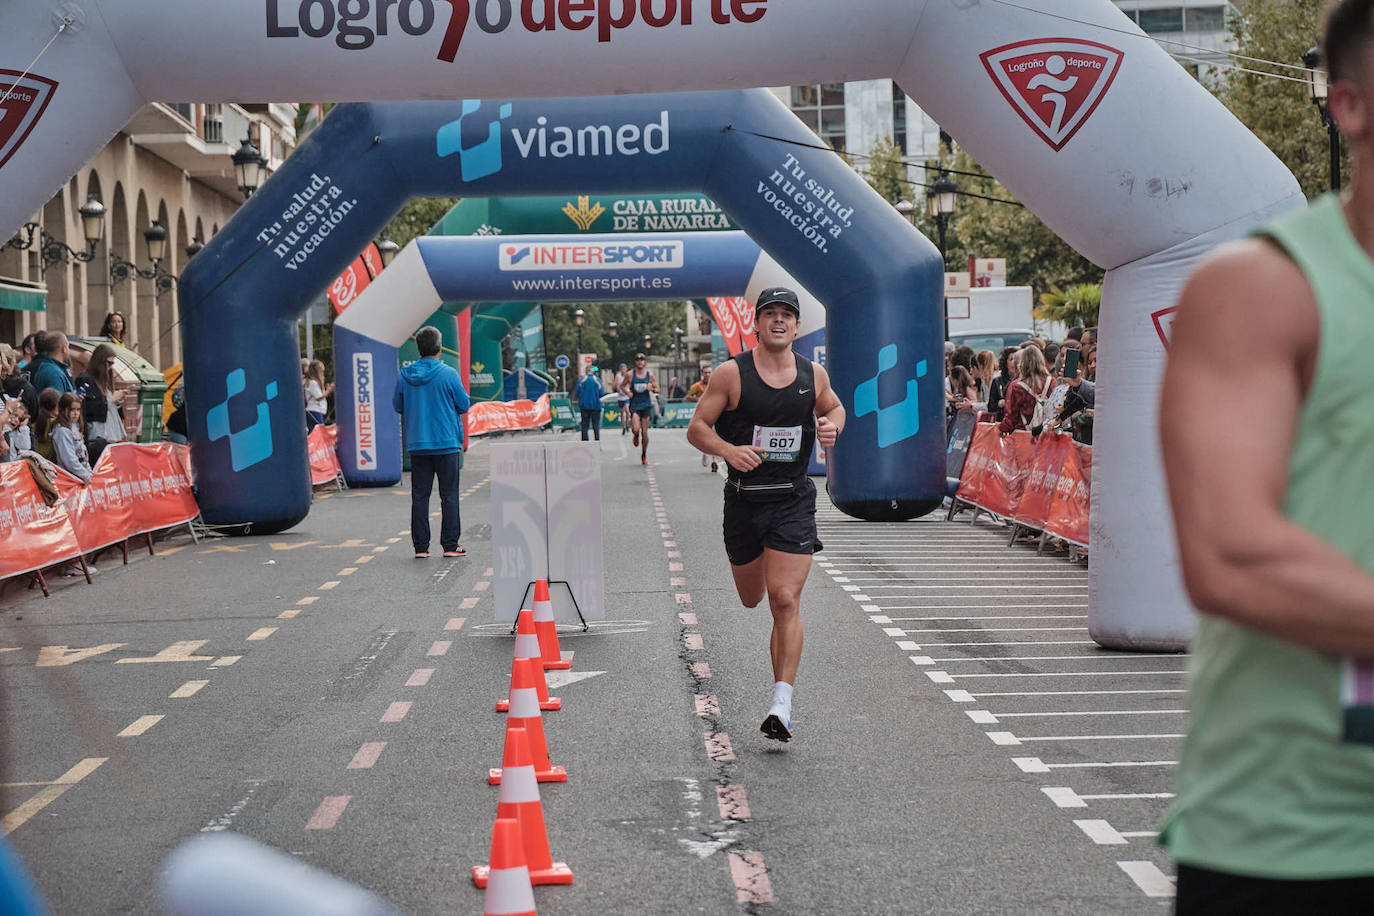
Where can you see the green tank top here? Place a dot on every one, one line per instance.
(1275, 779)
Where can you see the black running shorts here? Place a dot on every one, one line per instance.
(645, 413)
(785, 525)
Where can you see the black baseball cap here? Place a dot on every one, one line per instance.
(777, 295)
(639, 356)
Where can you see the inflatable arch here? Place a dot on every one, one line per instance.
(881, 279)
(590, 268)
(1076, 111)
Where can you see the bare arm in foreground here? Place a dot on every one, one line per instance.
(1247, 324)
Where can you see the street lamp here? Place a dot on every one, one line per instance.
(249, 168)
(1317, 79)
(579, 316)
(677, 343)
(648, 342)
(53, 251)
(612, 332)
(195, 248)
(906, 208)
(155, 237)
(387, 250)
(940, 200)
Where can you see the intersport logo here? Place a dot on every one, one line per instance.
(23, 98)
(364, 396)
(357, 24)
(592, 256)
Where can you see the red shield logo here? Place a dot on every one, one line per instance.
(22, 101)
(1164, 324)
(1053, 83)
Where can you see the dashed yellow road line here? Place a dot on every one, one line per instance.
(262, 634)
(311, 600)
(176, 652)
(139, 726)
(187, 689)
(287, 615)
(348, 571)
(393, 540)
(224, 661)
(328, 585)
(60, 656)
(365, 558)
(53, 790)
(379, 549)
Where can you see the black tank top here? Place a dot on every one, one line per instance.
(781, 421)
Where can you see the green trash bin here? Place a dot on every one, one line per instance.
(143, 413)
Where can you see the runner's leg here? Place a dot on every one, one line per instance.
(785, 575)
(749, 582)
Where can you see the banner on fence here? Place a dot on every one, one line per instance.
(499, 416)
(323, 443)
(1041, 483)
(32, 534)
(133, 489)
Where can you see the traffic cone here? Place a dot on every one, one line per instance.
(527, 646)
(509, 892)
(519, 799)
(524, 713)
(546, 628)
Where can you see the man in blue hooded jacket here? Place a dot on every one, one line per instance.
(431, 398)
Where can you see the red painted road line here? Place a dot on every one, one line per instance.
(707, 705)
(674, 567)
(683, 598)
(329, 812)
(367, 755)
(468, 604)
(489, 572)
(718, 747)
(678, 581)
(670, 543)
(481, 586)
(440, 647)
(701, 670)
(675, 554)
(456, 623)
(420, 677)
(733, 804)
(396, 711)
(687, 619)
(751, 878)
(693, 641)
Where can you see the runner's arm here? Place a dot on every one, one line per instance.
(723, 388)
(830, 415)
(1248, 312)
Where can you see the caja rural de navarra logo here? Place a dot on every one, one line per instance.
(357, 24)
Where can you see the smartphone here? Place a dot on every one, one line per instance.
(1071, 363)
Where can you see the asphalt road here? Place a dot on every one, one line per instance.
(961, 745)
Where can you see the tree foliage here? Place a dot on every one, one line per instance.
(1075, 305)
(633, 320)
(1280, 111)
(417, 217)
(884, 170)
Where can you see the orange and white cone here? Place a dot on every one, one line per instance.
(524, 713)
(509, 892)
(519, 798)
(527, 646)
(547, 629)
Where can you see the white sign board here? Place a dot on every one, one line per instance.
(546, 524)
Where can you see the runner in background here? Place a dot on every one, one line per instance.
(640, 386)
(1275, 805)
(694, 395)
(762, 412)
(622, 401)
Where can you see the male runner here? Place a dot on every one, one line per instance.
(694, 395)
(761, 412)
(640, 386)
(1275, 806)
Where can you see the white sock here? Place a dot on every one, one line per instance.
(782, 701)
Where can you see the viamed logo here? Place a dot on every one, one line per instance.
(23, 99)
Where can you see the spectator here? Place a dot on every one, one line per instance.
(431, 399)
(68, 443)
(1051, 351)
(44, 421)
(1078, 407)
(1026, 396)
(1089, 338)
(986, 370)
(589, 392)
(622, 402)
(113, 329)
(675, 390)
(49, 368)
(27, 350)
(1075, 334)
(967, 396)
(15, 428)
(315, 394)
(102, 402)
(997, 391)
(14, 381)
(175, 422)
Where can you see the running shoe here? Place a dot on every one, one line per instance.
(636, 438)
(775, 728)
(456, 552)
(422, 554)
(643, 459)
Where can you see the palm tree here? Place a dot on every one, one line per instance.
(1075, 306)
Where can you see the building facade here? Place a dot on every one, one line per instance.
(170, 164)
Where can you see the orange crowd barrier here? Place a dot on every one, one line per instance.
(1040, 483)
(323, 443)
(501, 416)
(134, 489)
